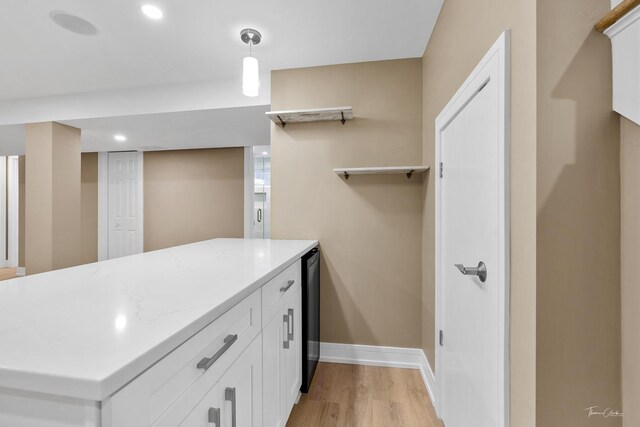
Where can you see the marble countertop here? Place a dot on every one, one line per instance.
(86, 331)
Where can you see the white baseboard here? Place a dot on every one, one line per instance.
(20, 271)
(392, 357)
(428, 377)
(354, 354)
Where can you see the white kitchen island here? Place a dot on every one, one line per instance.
(180, 336)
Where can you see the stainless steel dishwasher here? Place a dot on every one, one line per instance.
(310, 316)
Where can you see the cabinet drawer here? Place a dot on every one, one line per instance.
(172, 387)
(273, 292)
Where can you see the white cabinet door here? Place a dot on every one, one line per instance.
(207, 413)
(273, 365)
(240, 389)
(293, 354)
(282, 347)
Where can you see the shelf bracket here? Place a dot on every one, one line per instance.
(409, 174)
(346, 175)
(343, 120)
(282, 122)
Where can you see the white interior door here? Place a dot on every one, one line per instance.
(125, 204)
(472, 229)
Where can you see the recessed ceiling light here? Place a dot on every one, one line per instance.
(152, 11)
(73, 23)
(120, 138)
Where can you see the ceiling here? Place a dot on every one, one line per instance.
(197, 40)
(229, 127)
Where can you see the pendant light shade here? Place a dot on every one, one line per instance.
(250, 76)
(250, 67)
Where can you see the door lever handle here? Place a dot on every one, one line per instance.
(480, 271)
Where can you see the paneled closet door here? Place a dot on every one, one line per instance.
(125, 204)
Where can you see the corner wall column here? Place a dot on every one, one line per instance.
(52, 197)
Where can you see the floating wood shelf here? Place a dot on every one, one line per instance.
(616, 14)
(314, 115)
(384, 170)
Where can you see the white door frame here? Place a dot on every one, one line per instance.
(13, 209)
(9, 211)
(478, 78)
(249, 179)
(3, 211)
(103, 204)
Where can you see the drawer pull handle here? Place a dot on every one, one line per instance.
(286, 288)
(230, 396)
(285, 319)
(207, 362)
(290, 335)
(214, 416)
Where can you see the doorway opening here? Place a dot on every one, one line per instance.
(261, 214)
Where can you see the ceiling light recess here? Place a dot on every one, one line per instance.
(151, 11)
(250, 66)
(73, 23)
(120, 138)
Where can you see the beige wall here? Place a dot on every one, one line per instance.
(89, 213)
(52, 197)
(67, 210)
(38, 216)
(212, 175)
(578, 205)
(369, 226)
(89, 208)
(463, 33)
(192, 195)
(630, 244)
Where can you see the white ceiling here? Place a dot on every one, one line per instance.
(229, 127)
(197, 40)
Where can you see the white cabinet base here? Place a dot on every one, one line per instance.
(27, 409)
(219, 376)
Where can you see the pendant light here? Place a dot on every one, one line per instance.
(250, 67)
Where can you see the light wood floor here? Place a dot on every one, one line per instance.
(7, 273)
(353, 395)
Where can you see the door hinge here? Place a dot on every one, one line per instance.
(441, 337)
(441, 170)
